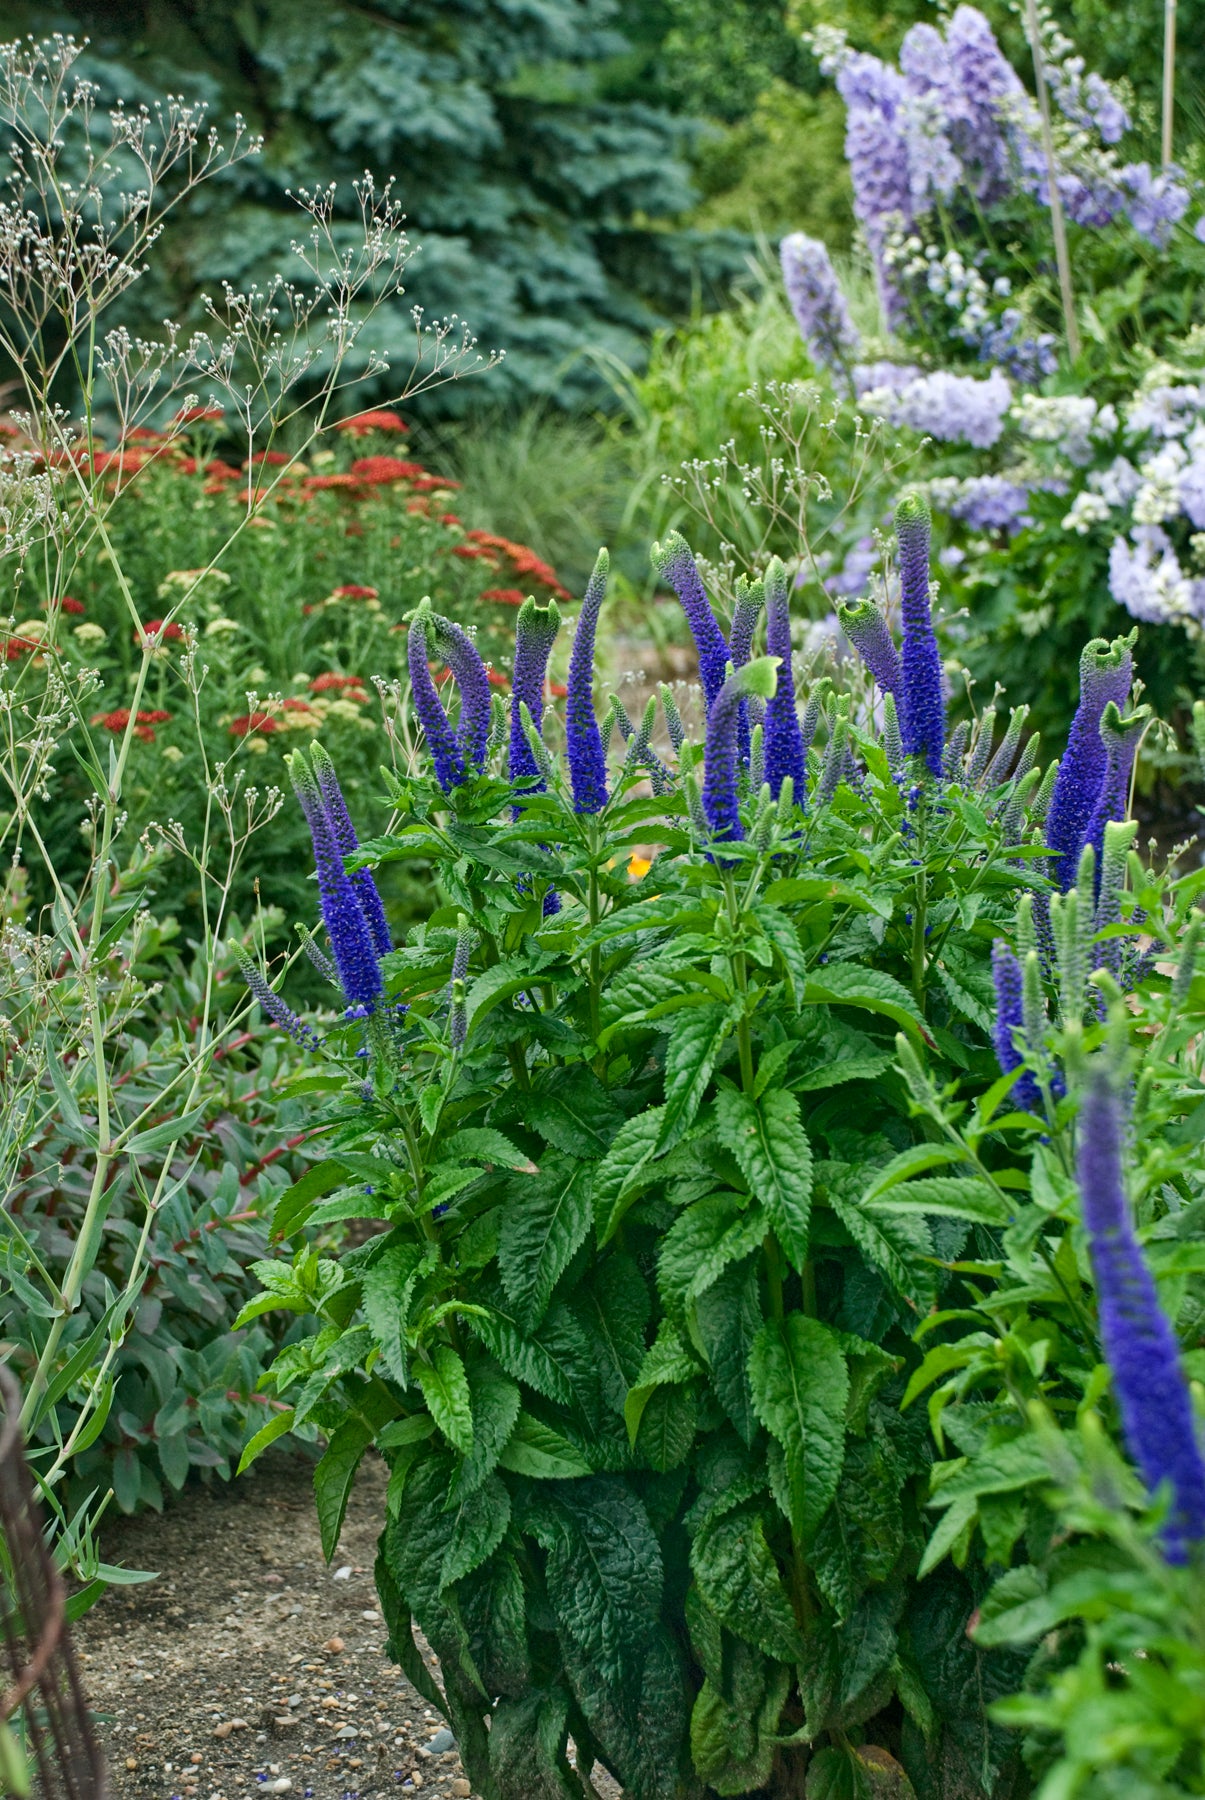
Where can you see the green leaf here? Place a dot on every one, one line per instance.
(545, 1220)
(496, 984)
(667, 1361)
(528, 1746)
(520, 1355)
(296, 1203)
(276, 1427)
(916, 1160)
(800, 1388)
(574, 1113)
(770, 1144)
(479, 1525)
(709, 1235)
(536, 1450)
(494, 1399)
(900, 1248)
(668, 1423)
(623, 1172)
(852, 984)
(333, 1477)
(482, 1144)
(446, 1391)
(784, 936)
(739, 1579)
(163, 1136)
(728, 1316)
(946, 1196)
(866, 1067)
(694, 1047)
(387, 1288)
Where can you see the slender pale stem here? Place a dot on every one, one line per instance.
(1057, 221)
(1169, 76)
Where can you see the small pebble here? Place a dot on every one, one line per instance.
(460, 1788)
(224, 1729)
(370, 1614)
(443, 1740)
(343, 1574)
(334, 1645)
(282, 1785)
(196, 1757)
(131, 1762)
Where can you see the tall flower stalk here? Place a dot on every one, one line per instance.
(587, 758)
(924, 707)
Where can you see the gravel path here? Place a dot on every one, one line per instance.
(249, 1666)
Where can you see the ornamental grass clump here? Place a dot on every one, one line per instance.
(687, 1188)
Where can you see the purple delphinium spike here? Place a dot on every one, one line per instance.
(674, 562)
(277, 1009)
(347, 928)
(1009, 982)
(785, 753)
(584, 745)
(461, 655)
(868, 632)
(924, 706)
(534, 637)
(1136, 1335)
(446, 753)
(817, 302)
(346, 841)
(1105, 673)
(1120, 738)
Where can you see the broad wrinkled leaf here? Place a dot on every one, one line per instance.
(546, 1218)
(446, 1391)
(800, 1387)
(690, 1059)
(770, 1144)
(739, 1579)
(333, 1477)
(728, 1317)
(479, 1525)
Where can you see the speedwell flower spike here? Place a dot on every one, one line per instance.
(347, 928)
(785, 751)
(463, 658)
(446, 753)
(924, 707)
(346, 842)
(750, 599)
(270, 1002)
(868, 632)
(673, 718)
(587, 759)
(1121, 738)
(1119, 837)
(998, 768)
(674, 562)
(833, 767)
(1009, 1025)
(1138, 1341)
(1105, 672)
(535, 634)
(720, 782)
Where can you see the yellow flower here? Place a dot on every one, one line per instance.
(638, 867)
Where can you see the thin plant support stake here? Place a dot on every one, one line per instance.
(1057, 221)
(1169, 76)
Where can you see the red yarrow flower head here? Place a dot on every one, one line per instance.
(352, 591)
(195, 415)
(157, 629)
(379, 469)
(275, 459)
(249, 722)
(15, 647)
(353, 685)
(66, 604)
(117, 721)
(362, 424)
(504, 596)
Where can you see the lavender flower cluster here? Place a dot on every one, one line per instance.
(950, 408)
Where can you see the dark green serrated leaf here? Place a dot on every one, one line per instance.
(494, 1400)
(446, 1391)
(333, 1477)
(710, 1234)
(770, 1144)
(800, 1388)
(528, 1747)
(387, 1289)
(545, 1220)
(739, 1579)
(694, 1047)
(479, 1525)
(728, 1316)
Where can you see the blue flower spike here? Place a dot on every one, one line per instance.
(721, 793)
(351, 940)
(785, 752)
(673, 561)
(1136, 1335)
(924, 708)
(584, 745)
(1105, 673)
(534, 637)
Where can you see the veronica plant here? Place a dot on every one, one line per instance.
(664, 1215)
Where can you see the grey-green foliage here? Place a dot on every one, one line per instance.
(538, 178)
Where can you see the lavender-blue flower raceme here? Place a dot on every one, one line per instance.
(1007, 976)
(1138, 1341)
(342, 914)
(817, 301)
(868, 632)
(446, 753)
(785, 754)
(587, 759)
(924, 707)
(535, 634)
(721, 794)
(675, 563)
(1105, 673)
(277, 1009)
(346, 842)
